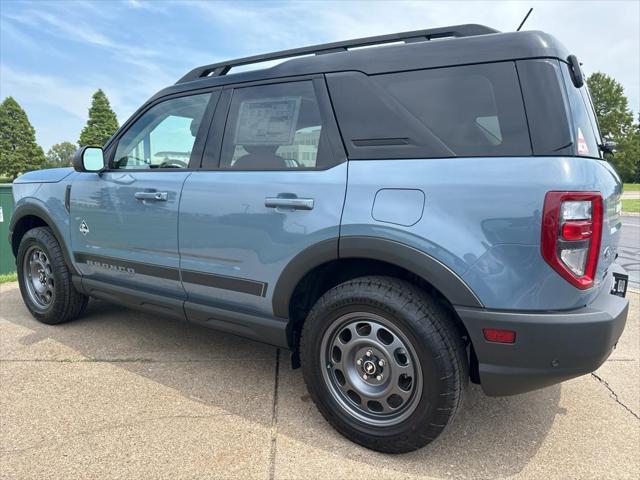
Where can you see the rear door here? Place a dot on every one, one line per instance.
(124, 222)
(272, 185)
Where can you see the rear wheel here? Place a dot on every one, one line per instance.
(45, 280)
(384, 364)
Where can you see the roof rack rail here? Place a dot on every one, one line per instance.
(222, 68)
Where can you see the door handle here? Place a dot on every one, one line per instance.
(154, 196)
(289, 202)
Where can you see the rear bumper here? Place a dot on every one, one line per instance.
(550, 347)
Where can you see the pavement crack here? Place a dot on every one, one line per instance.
(274, 420)
(614, 395)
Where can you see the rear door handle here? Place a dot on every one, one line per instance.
(289, 203)
(153, 196)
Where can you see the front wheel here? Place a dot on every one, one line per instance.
(384, 363)
(45, 280)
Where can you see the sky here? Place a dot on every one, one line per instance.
(54, 54)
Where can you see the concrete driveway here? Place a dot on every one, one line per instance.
(119, 394)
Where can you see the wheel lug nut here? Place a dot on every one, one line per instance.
(359, 362)
(365, 376)
(369, 353)
(379, 377)
(381, 363)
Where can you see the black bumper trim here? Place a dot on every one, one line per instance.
(550, 347)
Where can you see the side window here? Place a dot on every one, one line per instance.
(274, 127)
(162, 137)
(473, 110)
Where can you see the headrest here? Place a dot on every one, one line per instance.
(261, 149)
(195, 126)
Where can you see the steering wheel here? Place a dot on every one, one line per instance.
(173, 164)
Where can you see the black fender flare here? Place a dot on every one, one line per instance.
(445, 280)
(305, 261)
(33, 208)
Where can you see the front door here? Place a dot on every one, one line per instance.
(124, 222)
(274, 186)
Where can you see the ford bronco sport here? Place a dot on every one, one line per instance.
(405, 219)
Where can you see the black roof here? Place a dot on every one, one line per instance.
(442, 47)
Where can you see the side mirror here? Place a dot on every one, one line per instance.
(89, 159)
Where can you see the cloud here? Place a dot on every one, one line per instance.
(48, 90)
(604, 35)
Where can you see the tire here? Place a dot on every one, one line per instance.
(390, 321)
(45, 280)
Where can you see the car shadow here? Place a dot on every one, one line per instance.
(203, 364)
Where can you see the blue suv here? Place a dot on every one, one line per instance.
(405, 219)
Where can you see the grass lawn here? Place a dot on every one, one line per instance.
(631, 205)
(631, 187)
(8, 277)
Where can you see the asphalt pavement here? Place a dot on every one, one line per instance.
(120, 394)
(629, 249)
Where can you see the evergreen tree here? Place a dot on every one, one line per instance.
(102, 123)
(60, 155)
(19, 152)
(616, 123)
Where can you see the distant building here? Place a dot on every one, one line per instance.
(304, 148)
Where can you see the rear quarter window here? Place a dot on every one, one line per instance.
(469, 111)
(474, 110)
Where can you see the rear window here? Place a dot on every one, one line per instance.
(585, 132)
(474, 110)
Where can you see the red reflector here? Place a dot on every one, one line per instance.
(577, 230)
(499, 336)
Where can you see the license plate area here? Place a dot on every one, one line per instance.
(620, 282)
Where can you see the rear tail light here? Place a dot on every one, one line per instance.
(571, 235)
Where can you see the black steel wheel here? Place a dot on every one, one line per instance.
(372, 369)
(39, 278)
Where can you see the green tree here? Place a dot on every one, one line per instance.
(60, 155)
(616, 123)
(627, 155)
(102, 123)
(19, 152)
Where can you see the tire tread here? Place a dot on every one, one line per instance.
(69, 304)
(430, 320)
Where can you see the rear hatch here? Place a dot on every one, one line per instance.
(586, 143)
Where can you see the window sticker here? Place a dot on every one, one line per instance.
(583, 148)
(267, 121)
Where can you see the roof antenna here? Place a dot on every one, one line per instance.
(525, 19)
